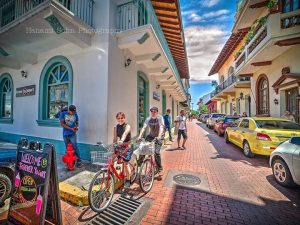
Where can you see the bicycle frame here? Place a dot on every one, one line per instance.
(111, 169)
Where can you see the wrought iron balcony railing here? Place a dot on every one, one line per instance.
(12, 10)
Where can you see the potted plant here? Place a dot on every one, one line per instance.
(273, 6)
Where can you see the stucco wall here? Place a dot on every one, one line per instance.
(288, 59)
(89, 87)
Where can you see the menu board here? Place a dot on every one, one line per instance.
(33, 194)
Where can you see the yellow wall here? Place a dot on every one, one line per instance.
(288, 59)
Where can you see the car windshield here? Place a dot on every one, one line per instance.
(277, 124)
(230, 120)
(217, 115)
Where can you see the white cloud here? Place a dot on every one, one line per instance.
(209, 3)
(195, 17)
(203, 45)
(215, 13)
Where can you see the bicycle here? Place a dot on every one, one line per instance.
(149, 166)
(102, 187)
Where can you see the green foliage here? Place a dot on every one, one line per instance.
(203, 109)
(255, 27)
(214, 83)
(272, 3)
(237, 54)
(194, 112)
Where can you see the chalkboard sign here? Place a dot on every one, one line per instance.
(35, 198)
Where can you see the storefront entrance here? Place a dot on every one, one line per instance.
(292, 102)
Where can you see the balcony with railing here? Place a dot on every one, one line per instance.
(139, 16)
(31, 27)
(230, 84)
(13, 10)
(263, 42)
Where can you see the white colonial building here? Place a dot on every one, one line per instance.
(104, 56)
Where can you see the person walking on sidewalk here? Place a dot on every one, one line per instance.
(122, 136)
(156, 125)
(69, 121)
(182, 131)
(167, 122)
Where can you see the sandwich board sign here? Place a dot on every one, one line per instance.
(35, 198)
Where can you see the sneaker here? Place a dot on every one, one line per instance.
(79, 164)
(127, 184)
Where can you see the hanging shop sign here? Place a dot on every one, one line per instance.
(156, 96)
(25, 91)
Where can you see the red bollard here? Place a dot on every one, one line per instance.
(69, 158)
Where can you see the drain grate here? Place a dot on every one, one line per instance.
(187, 179)
(117, 213)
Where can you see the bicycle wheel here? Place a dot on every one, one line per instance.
(101, 191)
(146, 176)
(134, 168)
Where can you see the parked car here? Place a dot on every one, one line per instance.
(285, 162)
(260, 135)
(224, 122)
(212, 119)
(204, 118)
(7, 163)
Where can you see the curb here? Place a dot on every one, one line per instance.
(75, 195)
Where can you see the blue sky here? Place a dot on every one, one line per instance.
(207, 26)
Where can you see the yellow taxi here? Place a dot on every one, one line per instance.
(260, 135)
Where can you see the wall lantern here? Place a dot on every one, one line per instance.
(128, 62)
(157, 86)
(241, 95)
(276, 101)
(24, 74)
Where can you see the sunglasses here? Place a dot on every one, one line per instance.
(122, 118)
(153, 111)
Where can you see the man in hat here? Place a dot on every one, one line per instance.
(156, 125)
(69, 122)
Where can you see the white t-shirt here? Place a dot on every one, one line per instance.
(182, 122)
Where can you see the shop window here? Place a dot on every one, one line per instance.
(262, 89)
(55, 90)
(6, 99)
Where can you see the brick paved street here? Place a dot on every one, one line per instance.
(242, 190)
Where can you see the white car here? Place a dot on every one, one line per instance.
(210, 123)
(285, 162)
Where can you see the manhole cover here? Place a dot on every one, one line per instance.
(187, 179)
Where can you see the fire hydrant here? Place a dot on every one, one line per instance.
(69, 158)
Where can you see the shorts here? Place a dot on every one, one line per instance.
(183, 133)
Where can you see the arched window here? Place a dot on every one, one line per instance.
(230, 71)
(262, 90)
(6, 98)
(56, 89)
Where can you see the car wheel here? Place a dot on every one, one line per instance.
(226, 138)
(219, 133)
(5, 187)
(282, 173)
(247, 150)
